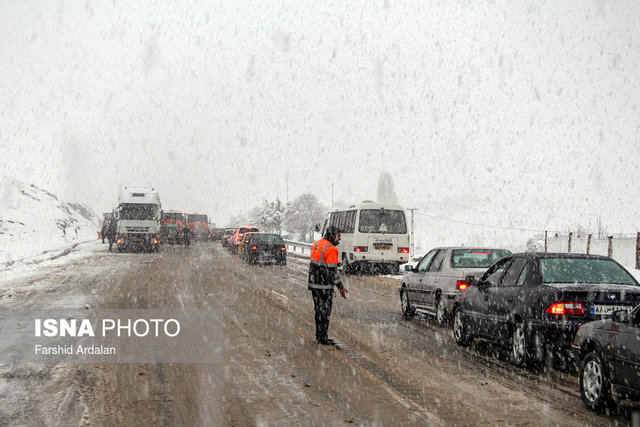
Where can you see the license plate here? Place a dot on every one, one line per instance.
(382, 247)
(600, 310)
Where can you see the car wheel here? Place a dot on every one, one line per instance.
(538, 357)
(441, 312)
(460, 328)
(407, 310)
(346, 267)
(595, 387)
(519, 345)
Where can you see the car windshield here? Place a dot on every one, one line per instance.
(584, 270)
(172, 216)
(137, 211)
(382, 221)
(267, 238)
(476, 258)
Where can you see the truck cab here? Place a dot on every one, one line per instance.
(173, 224)
(198, 225)
(138, 214)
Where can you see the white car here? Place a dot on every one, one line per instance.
(432, 285)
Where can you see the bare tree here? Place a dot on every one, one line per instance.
(386, 192)
(602, 231)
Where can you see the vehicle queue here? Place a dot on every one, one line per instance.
(580, 310)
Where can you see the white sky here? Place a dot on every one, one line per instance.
(527, 112)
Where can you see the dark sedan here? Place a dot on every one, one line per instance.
(535, 302)
(216, 234)
(609, 352)
(265, 247)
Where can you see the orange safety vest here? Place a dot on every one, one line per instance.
(323, 266)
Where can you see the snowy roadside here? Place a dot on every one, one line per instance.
(20, 269)
(36, 225)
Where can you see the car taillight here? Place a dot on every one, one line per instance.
(403, 250)
(461, 285)
(238, 236)
(360, 248)
(562, 308)
(254, 248)
(284, 248)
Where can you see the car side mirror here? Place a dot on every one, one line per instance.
(620, 316)
(408, 267)
(482, 284)
(471, 280)
(317, 228)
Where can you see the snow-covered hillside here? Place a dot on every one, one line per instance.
(34, 222)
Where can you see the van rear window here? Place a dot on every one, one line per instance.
(382, 221)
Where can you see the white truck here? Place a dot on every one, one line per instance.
(138, 215)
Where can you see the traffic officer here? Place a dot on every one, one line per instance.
(323, 276)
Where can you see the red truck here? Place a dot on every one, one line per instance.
(173, 223)
(199, 226)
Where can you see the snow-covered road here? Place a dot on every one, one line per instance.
(384, 371)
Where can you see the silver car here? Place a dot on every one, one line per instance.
(432, 285)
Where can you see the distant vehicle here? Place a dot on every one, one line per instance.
(199, 226)
(609, 355)
(216, 234)
(243, 244)
(535, 302)
(138, 217)
(237, 237)
(226, 237)
(433, 284)
(374, 237)
(265, 248)
(172, 231)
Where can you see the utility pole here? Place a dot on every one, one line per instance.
(332, 196)
(412, 250)
(287, 186)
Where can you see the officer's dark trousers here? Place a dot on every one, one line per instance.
(322, 301)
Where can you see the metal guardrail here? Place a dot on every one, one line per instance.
(300, 249)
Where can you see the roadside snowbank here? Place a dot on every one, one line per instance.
(36, 225)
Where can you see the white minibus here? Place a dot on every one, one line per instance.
(375, 237)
